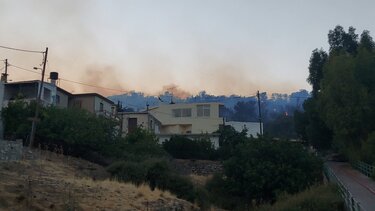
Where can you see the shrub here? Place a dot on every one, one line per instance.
(261, 169)
(319, 198)
(185, 148)
(129, 172)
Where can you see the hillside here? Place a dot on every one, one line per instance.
(55, 182)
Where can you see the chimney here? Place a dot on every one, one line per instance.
(54, 76)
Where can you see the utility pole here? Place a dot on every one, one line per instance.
(38, 101)
(4, 76)
(260, 115)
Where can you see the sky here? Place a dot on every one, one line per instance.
(185, 46)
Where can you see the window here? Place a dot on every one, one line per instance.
(57, 99)
(101, 107)
(203, 110)
(47, 94)
(184, 112)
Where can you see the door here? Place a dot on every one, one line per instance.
(132, 124)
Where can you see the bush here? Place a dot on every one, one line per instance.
(319, 198)
(157, 174)
(185, 148)
(128, 172)
(259, 170)
(368, 150)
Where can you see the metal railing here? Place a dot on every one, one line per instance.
(365, 168)
(350, 202)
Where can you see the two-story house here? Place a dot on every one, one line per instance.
(192, 120)
(94, 103)
(28, 91)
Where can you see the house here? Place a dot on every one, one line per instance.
(28, 91)
(130, 121)
(56, 96)
(192, 120)
(252, 128)
(94, 103)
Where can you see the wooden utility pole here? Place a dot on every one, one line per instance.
(260, 115)
(38, 101)
(4, 76)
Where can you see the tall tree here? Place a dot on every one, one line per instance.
(339, 40)
(366, 41)
(317, 60)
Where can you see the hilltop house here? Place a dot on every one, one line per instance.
(192, 120)
(56, 96)
(94, 103)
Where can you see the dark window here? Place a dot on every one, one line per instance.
(47, 94)
(101, 108)
(132, 124)
(57, 99)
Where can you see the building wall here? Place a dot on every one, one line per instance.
(84, 102)
(28, 91)
(193, 124)
(64, 99)
(142, 119)
(107, 107)
(50, 99)
(252, 127)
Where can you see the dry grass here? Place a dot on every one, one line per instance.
(199, 180)
(61, 183)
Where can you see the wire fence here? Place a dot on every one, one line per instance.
(350, 202)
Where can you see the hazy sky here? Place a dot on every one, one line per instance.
(223, 47)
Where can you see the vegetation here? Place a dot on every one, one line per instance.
(340, 114)
(185, 148)
(256, 171)
(317, 198)
(259, 170)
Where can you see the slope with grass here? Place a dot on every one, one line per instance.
(55, 182)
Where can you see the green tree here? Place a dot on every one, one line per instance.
(16, 119)
(259, 170)
(341, 41)
(317, 60)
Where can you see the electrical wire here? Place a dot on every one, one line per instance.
(18, 49)
(90, 85)
(67, 80)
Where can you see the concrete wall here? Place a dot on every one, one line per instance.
(107, 107)
(142, 119)
(85, 102)
(10, 150)
(252, 127)
(64, 99)
(194, 124)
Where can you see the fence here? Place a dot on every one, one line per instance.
(351, 203)
(365, 168)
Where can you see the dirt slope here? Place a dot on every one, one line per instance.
(55, 182)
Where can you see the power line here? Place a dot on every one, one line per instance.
(23, 50)
(67, 80)
(90, 85)
(21, 68)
